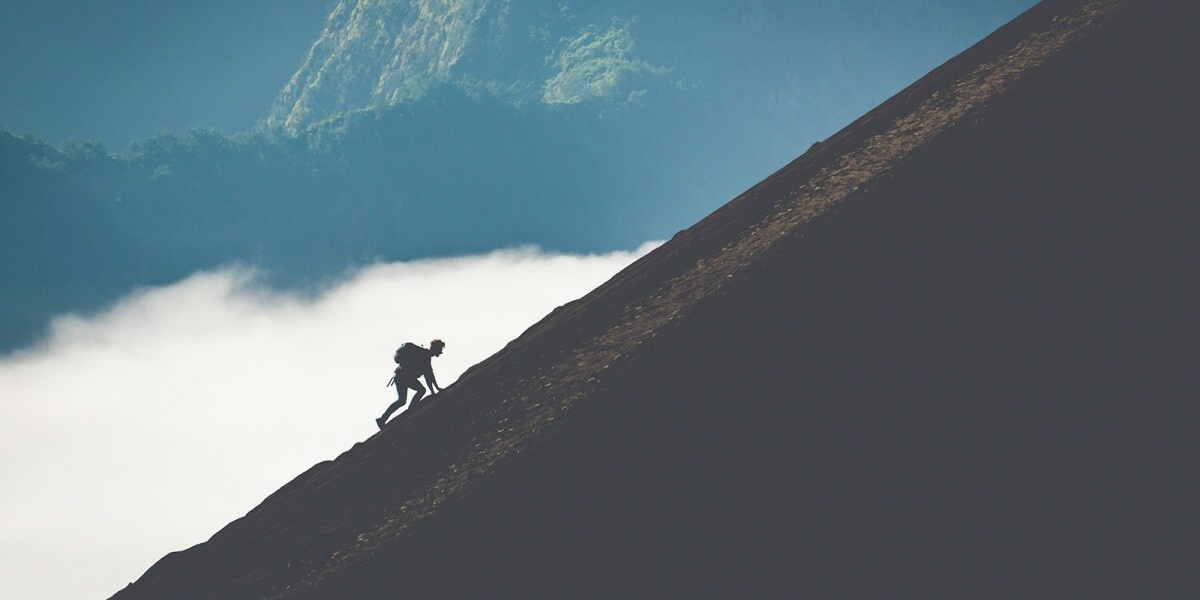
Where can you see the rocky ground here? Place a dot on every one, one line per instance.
(943, 352)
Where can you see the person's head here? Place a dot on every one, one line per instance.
(436, 346)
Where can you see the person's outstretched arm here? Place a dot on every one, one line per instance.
(431, 381)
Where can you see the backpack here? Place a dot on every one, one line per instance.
(407, 355)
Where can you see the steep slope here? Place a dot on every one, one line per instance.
(943, 352)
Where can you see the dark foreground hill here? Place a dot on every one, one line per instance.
(944, 352)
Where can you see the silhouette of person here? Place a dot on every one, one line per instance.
(413, 362)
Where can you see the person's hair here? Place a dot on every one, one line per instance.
(437, 342)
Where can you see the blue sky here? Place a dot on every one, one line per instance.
(120, 70)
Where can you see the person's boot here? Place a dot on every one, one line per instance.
(380, 422)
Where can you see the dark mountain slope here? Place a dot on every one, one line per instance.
(944, 352)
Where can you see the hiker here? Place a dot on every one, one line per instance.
(412, 361)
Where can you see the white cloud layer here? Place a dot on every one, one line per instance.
(145, 429)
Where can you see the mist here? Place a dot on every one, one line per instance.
(145, 428)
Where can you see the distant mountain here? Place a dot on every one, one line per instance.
(943, 353)
(379, 53)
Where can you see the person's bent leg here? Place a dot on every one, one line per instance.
(416, 385)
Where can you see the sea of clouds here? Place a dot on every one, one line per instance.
(146, 428)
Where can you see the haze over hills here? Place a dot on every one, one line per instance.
(417, 129)
(944, 352)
